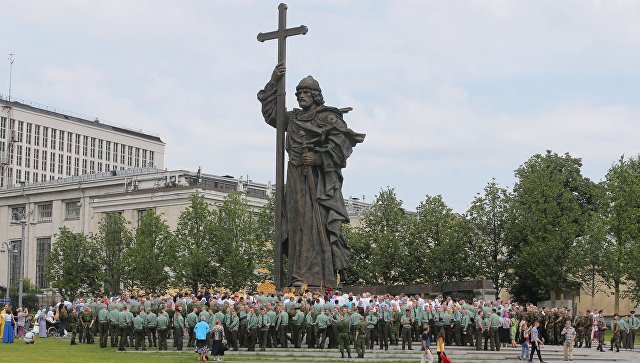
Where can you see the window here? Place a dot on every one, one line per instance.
(53, 138)
(130, 156)
(19, 155)
(137, 157)
(141, 213)
(84, 166)
(76, 166)
(93, 147)
(60, 164)
(44, 212)
(69, 140)
(20, 130)
(3, 127)
(45, 136)
(27, 176)
(72, 210)
(100, 145)
(52, 163)
(43, 248)
(18, 175)
(44, 160)
(68, 165)
(77, 145)
(15, 254)
(107, 151)
(17, 213)
(27, 157)
(36, 136)
(115, 152)
(29, 129)
(122, 148)
(36, 158)
(35, 177)
(144, 158)
(61, 142)
(85, 145)
(99, 166)
(92, 166)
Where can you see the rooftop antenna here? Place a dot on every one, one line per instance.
(10, 73)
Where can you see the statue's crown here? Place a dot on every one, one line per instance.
(309, 83)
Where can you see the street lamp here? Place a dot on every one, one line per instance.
(23, 223)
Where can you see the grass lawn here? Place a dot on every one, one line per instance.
(54, 350)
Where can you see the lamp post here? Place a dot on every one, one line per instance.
(23, 223)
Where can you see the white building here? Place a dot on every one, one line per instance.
(80, 202)
(39, 143)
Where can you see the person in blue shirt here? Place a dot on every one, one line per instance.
(201, 330)
(536, 343)
(426, 346)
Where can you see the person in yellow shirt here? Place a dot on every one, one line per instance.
(4, 309)
(440, 346)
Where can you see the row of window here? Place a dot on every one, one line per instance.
(110, 152)
(44, 211)
(43, 248)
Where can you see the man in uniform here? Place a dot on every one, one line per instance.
(73, 325)
(114, 326)
(151, 324)
(457, 326)
(234, 324)
(372, 328)
(634, 324)
(242, 330)
(124, 331)
(178, 328)
(263, 325)
(282, 323)
(479, 323)
(322, 322)
(343, 335)
(192, 320)
(383, 326)
(493, 329)
(86, 319)
(407, 324)
(252, 329)
(298, 319)
(310, 326)
(361, 333)
(162, 324)
(103, 325)
(394, 325)
(138, 331)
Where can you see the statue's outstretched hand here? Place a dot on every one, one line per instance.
(278, 72)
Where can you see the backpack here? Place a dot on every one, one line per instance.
(64, 314)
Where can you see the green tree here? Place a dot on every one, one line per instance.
(236, 245)
(591, 248)
(622, 213)
(194, 235)
(440, 239)
(152, 255)
(264, 230)
(113, 239)
(72, 266)
(489, 215)
(552, 202)
(384, 232)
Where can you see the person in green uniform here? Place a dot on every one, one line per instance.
(447, 319)
(310, 326)
(486, 332)
(383, 326)
(86, 319)
(252, 329)
(191, 321)
(151, 325)
(103, 325)
(272, 340)
(361, 335)
(234, 324)
(634, 324)
(114, 328)
(263, 327)
(138, 331)
(282, 324)
(465, 326)
(493, 329)
(73, 325)
(122, 326)
(178, 329)
(615, 334)
(372, 328)
(343, 335)
(457, 326)
(298, 319)
(129, 327)
(394, 325)
(407, 325)
(322, 323)
(162, 324)
(479, 324)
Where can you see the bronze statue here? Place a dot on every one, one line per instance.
(318, 143)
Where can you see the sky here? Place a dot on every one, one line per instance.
(450, 93)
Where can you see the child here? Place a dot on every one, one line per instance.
(440, 346)
(525, 330)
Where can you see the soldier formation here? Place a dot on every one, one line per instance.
(340, 321)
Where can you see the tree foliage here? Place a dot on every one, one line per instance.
(112, 240)
(72, 266)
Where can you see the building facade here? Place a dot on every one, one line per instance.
(80, 202)
(39, 144)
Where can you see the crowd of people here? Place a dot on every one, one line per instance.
(213, 323)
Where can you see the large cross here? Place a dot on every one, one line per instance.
(281, 34)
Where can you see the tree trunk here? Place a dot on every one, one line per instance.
(616, 301)
(553, 298)
(561, 298)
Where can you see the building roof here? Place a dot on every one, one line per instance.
(50, 111)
